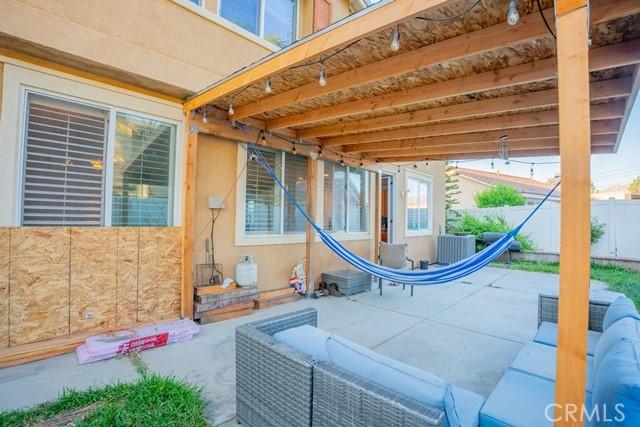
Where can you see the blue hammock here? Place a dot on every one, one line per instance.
(445, 274)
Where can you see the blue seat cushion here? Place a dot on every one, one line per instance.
(625, 328)
(520, 399)
(617, 385)
(540, 359)
(619, 309)
(548, 334)
(460, 406)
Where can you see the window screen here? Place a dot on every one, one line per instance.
(295, 179)
(262, 196)
(64, 163)
(335, 196)
(142, 171)
(358, 212)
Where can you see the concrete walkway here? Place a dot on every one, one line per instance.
(466, 332)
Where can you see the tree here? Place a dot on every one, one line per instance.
(500, 195)
(634, 186)
(451, 190)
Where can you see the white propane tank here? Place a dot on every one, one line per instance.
(246, 272)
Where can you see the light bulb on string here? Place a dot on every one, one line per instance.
(531, 171)
(267, 85)
(264, 139)
(493, 166)
(395, 39)
(513, 16)
(231, 111)
(322, 78)
(205, 116)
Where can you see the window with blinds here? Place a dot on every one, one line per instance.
(142, 171)
(64, 163)
(346, 193)
(295, 179)
(262, 196)
(267, 210)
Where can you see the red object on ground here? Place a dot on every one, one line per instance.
(144, 343)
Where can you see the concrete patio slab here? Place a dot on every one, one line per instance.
(467, 332)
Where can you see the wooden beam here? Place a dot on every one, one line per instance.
(310, 235)
(490, 147)
(338, 35)
(529, 27)
(87, 75)
(601, 58)
(603, 149)
(507, 104)
(189, 207)
(598, 127)
(249, 134)
(609, 110)
(575, 208)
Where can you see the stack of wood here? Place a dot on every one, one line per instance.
(276, 297)
(214, 303)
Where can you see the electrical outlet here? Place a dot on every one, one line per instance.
(89, 315)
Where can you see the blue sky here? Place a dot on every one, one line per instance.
(606, 169)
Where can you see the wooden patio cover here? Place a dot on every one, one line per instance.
(456, 89)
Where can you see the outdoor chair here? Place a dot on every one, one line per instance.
(490, 237)
(394, 256)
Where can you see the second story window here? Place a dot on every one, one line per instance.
(273, 20)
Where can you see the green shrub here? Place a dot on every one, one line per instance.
(498, 196)
(597, 230)
(468, 223)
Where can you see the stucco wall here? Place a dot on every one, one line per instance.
(468, 189)
(217, 169)
(156, 39)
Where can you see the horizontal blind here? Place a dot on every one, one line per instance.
(262, 196)
(142, 171)
(64, 163)
(335, 193)
(295, 180)
(358, 212)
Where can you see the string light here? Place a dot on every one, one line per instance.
(293, 148)
(361, 163)
(267, 85)
(513, 16)
(342, 161)
(322, 78)
(205, 117)
(415, 166)
(531, 171)
(231, 111)
(395, 39)
(264, 139)
(492, 165)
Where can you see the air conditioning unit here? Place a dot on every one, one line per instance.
(452, 248)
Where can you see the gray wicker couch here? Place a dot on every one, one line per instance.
(280, 386)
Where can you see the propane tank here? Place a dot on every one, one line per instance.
(246, 271)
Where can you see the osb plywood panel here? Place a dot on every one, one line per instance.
(93, 279)
(159, 273)
(39, 278)
(127, 277)
(4, 286)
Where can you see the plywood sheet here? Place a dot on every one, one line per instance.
(159, 273)
(93, 279)
(127, 276)
(39, 278)
(4, 286)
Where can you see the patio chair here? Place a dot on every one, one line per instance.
(394, 256)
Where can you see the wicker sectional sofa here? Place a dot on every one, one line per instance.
(278, 385)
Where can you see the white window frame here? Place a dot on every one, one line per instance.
(424, 178)
(174, 190)
(346, 235)
(261, 14)
(244, 239)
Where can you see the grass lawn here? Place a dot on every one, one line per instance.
(619, 279)
(151, 401)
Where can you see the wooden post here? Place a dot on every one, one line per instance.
(575, 245)
(376, 225)
(310, 235)
(189, 205)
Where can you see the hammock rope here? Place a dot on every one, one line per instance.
(444, 274)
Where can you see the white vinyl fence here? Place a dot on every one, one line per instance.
(621, 218)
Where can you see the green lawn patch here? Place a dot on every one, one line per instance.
(619, 279)
(151, 401)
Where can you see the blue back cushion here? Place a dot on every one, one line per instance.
(617, 387)
(619, 309)
(625, 328)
